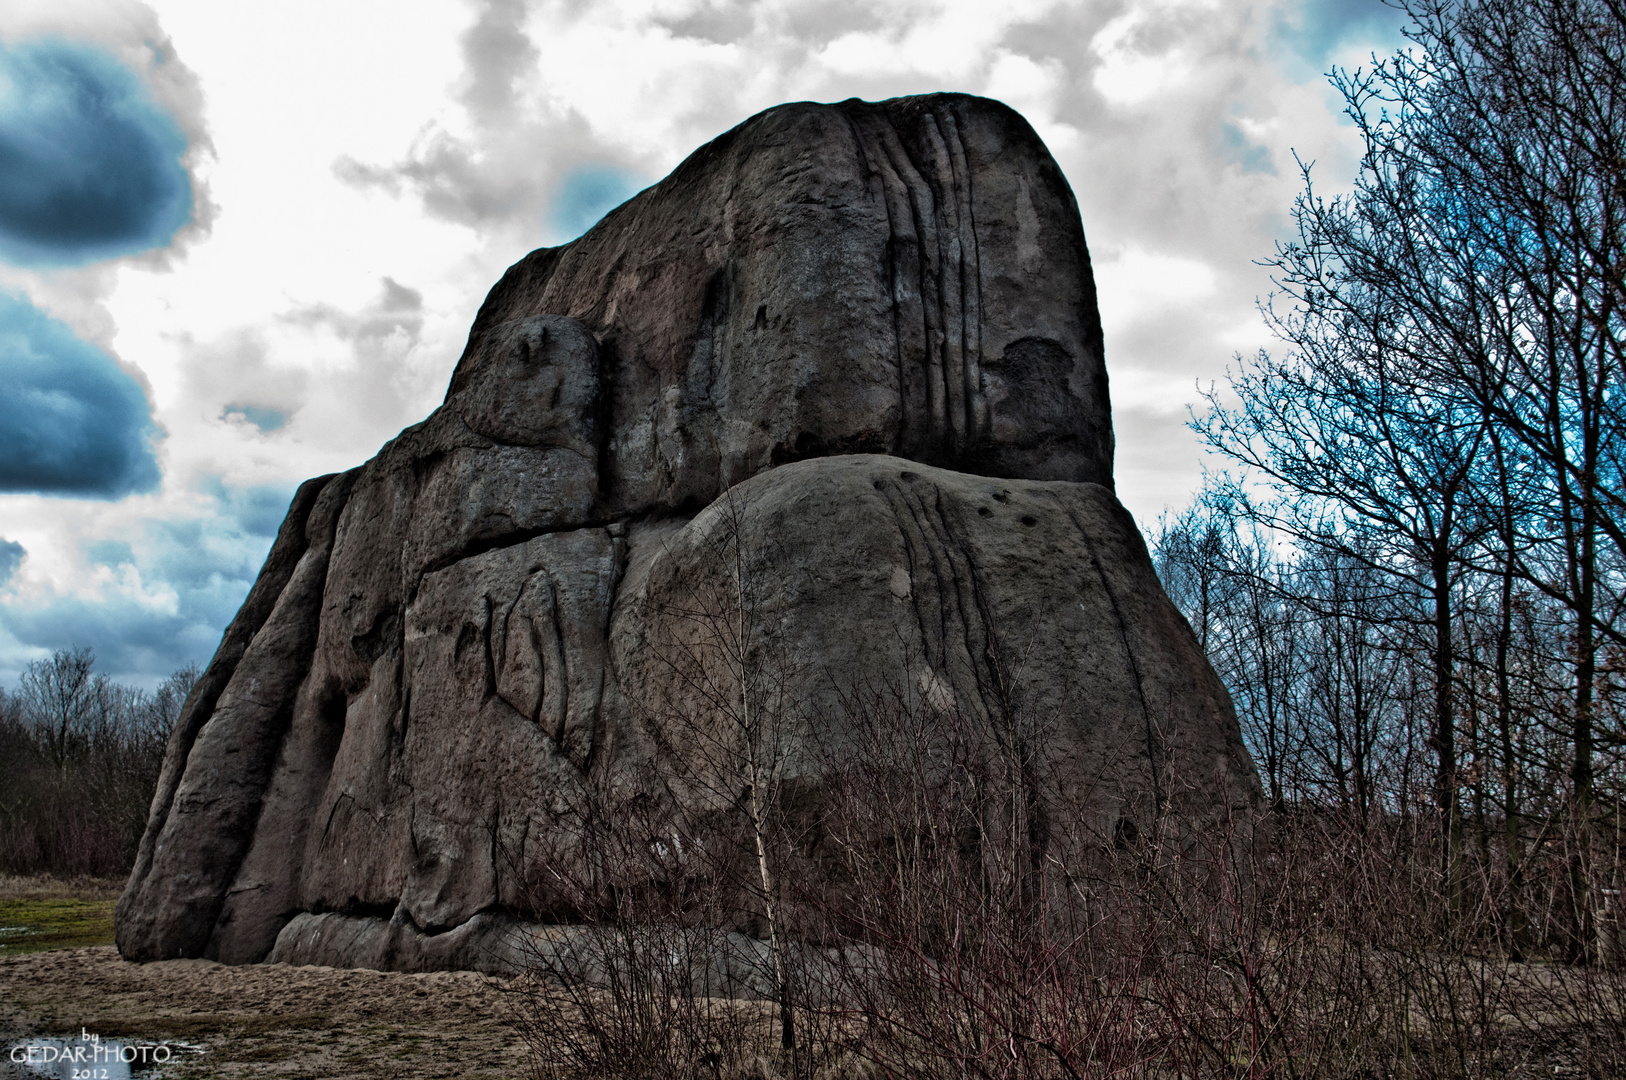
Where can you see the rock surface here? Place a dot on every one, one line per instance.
(859, 343)
(908, 277)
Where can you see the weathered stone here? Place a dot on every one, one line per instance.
(904, 277)
(856, 342)
(197, 835)
(707, 962)
(1010, 602)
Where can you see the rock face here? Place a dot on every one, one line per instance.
(859, 342)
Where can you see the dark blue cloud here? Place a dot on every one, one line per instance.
(205, 565)
(11, 557)
(71, 421)
(133, 642)
(588, 194)
(89, 164)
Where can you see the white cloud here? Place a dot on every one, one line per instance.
(1134, 284)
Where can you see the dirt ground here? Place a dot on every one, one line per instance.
(266, 1020)
(255, 1021)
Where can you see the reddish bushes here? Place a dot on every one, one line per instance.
(955, 917)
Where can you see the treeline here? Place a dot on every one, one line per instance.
(1413, 577)
(1332, 664)
(81, 756)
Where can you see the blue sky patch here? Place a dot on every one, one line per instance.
(1253, 157)
(585, 196)
(261, 417)
(257, 510)
(110, 552)
(72, 422)
(1316, 32)
(90, 164)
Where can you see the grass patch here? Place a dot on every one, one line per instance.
(51, 887)
(197, 1026)
(206, 1025)
(275, 1024)
(264, 1051)
(35, 925)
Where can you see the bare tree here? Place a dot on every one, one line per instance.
(1372, 467)
(82, 754)
(728, 706)
(61, 699)
(1453, 397)
(1484, 249)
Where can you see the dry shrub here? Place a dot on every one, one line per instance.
(954, 919)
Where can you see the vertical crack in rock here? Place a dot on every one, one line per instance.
(489, 663)
(950, 281)
(1155, 755)
(928, 189)
(970, 262)
(950, 609)
(900, 255)
(557, 704)
(883, 186)
(922, 293)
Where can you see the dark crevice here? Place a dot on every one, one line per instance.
(558, 644)
(485, 636)
(406, 712)
(1154, 748)
(360, 909)
(604, 416)
(808, 445)
(384, 633)
(496, 866)
(512, 538)
(332, 812)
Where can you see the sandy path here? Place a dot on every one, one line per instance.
(268, 1020)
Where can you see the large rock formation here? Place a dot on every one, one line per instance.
(860, 342)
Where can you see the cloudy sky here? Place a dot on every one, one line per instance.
(241, 244)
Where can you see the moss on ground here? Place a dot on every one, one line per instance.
(34, 925)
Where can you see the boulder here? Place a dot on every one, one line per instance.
(908, 277)
(840, 373)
